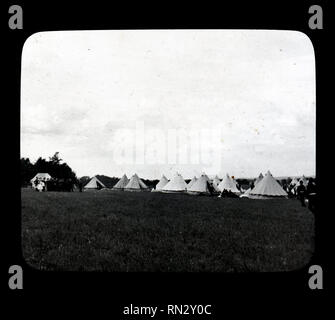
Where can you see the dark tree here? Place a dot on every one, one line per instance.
(27, 171)
(41, 165)
(63, 176)
(55, 159)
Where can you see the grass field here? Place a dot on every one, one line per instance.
(128, 231)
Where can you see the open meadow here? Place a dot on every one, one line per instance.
(147, 231)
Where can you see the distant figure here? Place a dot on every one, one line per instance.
(210, 188)
(40, 186)
(290, 191)
(80, 185)
(311, 194)
(301, 192)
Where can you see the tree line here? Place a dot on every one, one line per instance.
(55, 166)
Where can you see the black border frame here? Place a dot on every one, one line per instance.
(160, 288)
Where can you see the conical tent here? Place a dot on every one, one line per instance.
(216, 180)
(162, 182)
(304, 181)
(228, 184)
(94, 183)
(176, 184)
(260, 177)
(200, 186)
(294, 181)
(189, 185)
(136, 184)
(267, 187)
(205, 175)
(216, 187)
(120, 185)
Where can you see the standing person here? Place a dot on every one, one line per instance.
(311, 194)
(36, 183)
(293, 191)
(301, 192)
(210, 188)
(39, 187)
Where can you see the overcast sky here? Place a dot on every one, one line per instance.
(245, 100)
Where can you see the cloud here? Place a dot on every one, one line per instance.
(79, 89)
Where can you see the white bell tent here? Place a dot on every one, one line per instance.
(268, 187)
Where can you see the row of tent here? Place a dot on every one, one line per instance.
(133, 184)
(296, 181)
(264, 186)
(201, 185)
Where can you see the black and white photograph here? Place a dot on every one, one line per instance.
(168, 150)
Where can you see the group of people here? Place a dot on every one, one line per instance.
(309, 192)
(39, 185)
(300, 191)
(54, 185)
